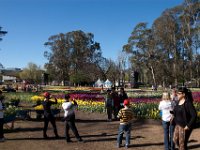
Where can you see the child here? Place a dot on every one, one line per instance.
(125, 115)
(1, 117)
(165, 106)
(69, 116)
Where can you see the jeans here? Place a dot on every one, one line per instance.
(168, 135)
(124, 128)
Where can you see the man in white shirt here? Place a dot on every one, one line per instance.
(69, 116)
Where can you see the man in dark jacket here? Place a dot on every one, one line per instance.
(122, 96)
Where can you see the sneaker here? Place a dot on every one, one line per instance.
(126, 146)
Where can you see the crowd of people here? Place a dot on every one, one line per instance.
(114, 102)
(178, 116)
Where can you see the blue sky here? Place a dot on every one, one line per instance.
(31, 22)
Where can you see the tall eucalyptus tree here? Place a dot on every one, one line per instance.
(73, 55)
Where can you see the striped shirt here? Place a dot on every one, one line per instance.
(125, 115)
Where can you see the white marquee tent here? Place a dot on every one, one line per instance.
(99, 83)
(107, 84)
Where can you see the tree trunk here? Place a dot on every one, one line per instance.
(153, 75)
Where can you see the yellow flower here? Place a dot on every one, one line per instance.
(37, 98)
(39, 107)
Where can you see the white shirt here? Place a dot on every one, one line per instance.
(68, 108)
(165, 106)
(1, 110)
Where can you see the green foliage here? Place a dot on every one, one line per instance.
(150, 94)
(99, 109)
(23, 97)
(32, 73)
(167, 53)
(70, 53)
(10, 110)
(146, 110)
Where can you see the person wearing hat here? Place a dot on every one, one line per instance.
(1, 117)
(48, 116)
(69, 117)
(185, 118)
(126, 116)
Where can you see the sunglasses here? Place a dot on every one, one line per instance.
(179, 93)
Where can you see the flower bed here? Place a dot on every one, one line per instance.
(144, 104)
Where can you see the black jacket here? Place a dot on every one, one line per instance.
(189, 114)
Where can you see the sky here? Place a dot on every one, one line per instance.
(31, 22)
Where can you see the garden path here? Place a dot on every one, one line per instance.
(97, 133)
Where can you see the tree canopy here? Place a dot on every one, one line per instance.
(168, 52)
(74, 56)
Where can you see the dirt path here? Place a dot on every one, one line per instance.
(97, 133)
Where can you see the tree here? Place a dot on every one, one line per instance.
(169, 50)
(166, 32)
(2, 33)
(32, 73)
(113, 74)
(142, 46)
(72, 54)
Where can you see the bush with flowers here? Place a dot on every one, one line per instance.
(10, 113)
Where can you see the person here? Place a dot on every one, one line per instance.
(174, 97)
(116, 104)
(109, 105)
(122, 96)
(185, 117)
(1, 117)
(165, 106)
(126, 116)
(69, 117)
(48, 116)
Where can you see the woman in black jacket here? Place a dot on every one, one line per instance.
(185, 117)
